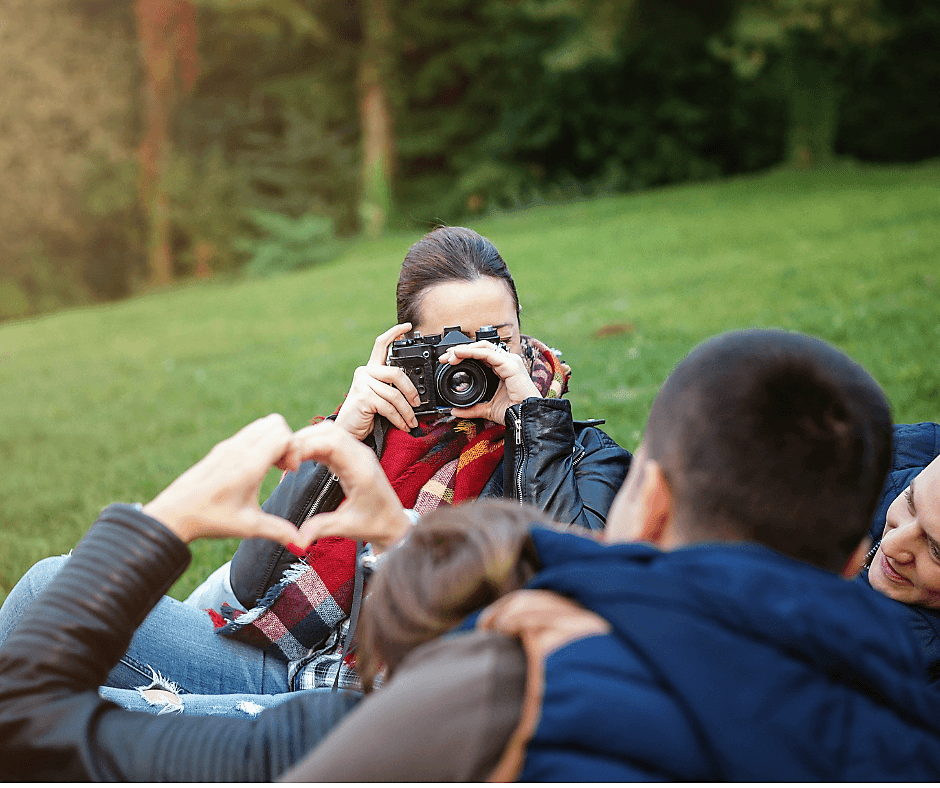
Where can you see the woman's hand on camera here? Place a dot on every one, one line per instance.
(514, 387)
(378, 389)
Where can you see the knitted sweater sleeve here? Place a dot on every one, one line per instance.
(55, 726)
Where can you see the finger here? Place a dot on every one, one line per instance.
(384, 408)
(395, 376)
(389, 397)
(479, 411)
(272, 527)
(330, 444)
(335, 523)
(291, 459)
(261, 443)
(502, 362)
(382, 342)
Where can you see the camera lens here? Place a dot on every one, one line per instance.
(461, 385)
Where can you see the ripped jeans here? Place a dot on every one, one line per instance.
(176, 662)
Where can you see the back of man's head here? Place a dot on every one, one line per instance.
(773, 437)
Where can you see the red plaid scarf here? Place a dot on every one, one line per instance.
(444, 461)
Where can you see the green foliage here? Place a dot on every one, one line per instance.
(889, 109)
(276, 104)
(496, 104)
(208, 199)
(113, 402)
(834, 25)
(289, 244)
(813, 38)
(658, 110)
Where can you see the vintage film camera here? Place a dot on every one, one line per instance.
(442, 386)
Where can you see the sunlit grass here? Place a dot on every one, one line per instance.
(111, 403)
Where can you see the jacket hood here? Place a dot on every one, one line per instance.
(773, 660)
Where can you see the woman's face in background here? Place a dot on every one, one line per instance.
(486, 301)
(907, 564)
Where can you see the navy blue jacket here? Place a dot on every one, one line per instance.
(732, 663)
(915, 447)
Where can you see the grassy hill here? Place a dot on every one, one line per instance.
(111, 403)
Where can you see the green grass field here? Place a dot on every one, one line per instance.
(111, 403)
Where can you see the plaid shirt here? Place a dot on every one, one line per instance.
(318, 669)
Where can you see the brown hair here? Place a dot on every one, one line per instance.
(447, 254)
(455, 561)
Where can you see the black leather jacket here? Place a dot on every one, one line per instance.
(54, 725)
(569, 469)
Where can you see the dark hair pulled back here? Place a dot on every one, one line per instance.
(447, 254)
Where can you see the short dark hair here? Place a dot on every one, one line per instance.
(447, 254)
(774, 437)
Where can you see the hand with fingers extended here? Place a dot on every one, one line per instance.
(515, 383)
(378, 389)
(218, 496)
(371, 511)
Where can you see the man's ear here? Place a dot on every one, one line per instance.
(857, 560)
(655, 506)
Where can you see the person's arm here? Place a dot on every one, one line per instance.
(53, 723)
(569, 470)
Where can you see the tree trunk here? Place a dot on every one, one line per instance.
(813, 99)
(166, 30)
(159, 256)
(375, 117)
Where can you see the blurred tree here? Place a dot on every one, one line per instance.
(594, 29)
(814, 39)
(323, 25)
(462, 63)
(890, 111)
(375, 67)
(509, 103)
(168, 38)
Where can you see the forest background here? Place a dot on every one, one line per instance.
(148, 141)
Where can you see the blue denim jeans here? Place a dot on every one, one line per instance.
(175, 650)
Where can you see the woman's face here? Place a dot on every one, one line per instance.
(907, 564)
(486, 301)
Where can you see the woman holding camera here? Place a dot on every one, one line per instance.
(521, 444)
(291, 627)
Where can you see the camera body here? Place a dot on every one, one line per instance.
(444, 386)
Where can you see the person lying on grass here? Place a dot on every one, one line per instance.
(904, 563)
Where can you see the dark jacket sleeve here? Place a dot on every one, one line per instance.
(55, 726)
(914, 448)
(571, 470)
